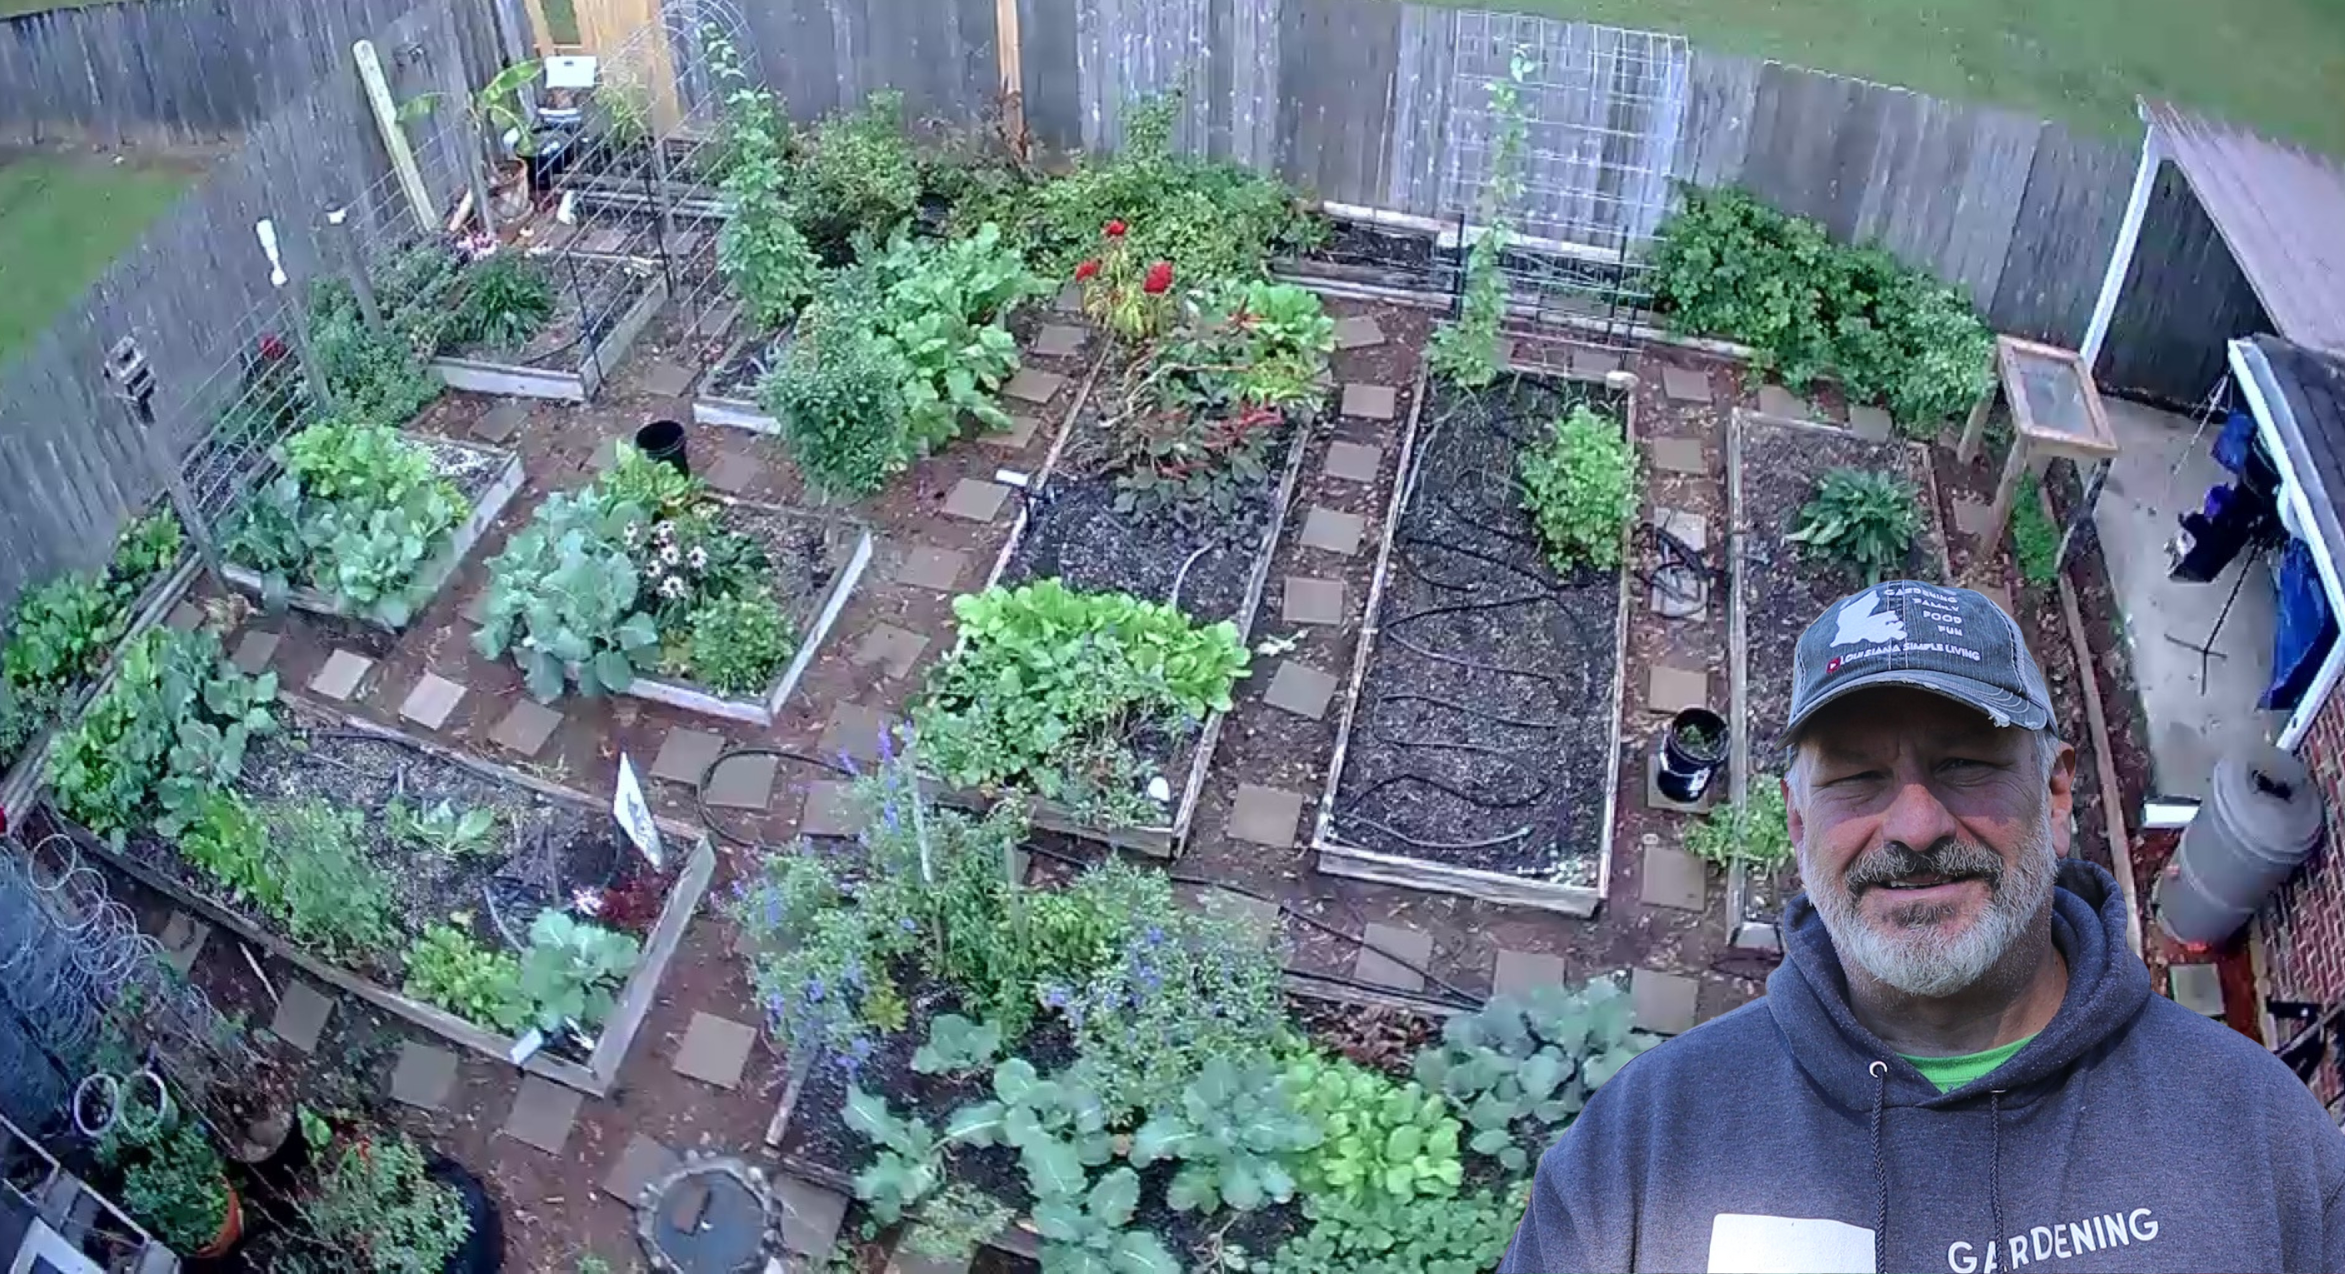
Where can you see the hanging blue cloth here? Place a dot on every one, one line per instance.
(2236, 443)
(2306, 628)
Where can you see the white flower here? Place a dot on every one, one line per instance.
(665, 532)
(698, 557)
(672, 586)
(653, 568)
(631, 532)
(588, 901)
(670, 556)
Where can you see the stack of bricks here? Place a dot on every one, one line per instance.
(2303, 929)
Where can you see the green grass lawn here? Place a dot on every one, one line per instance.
(63, 220)
(2275, 65)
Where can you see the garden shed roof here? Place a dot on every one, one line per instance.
(2280, 209)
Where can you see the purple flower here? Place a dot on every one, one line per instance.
(887, 746)
(908, 925)
(1154, 936)
(812, 992)
(1054, 996)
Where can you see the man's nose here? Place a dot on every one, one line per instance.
(1916, 817)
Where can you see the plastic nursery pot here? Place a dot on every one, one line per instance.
(1692, 751)
(663, 440)
(231, 1228)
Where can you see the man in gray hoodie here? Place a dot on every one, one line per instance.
(1959, 1065)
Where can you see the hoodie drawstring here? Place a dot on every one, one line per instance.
(1995, 1160)
(1880, 1169)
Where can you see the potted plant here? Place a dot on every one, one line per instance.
(179, 1190)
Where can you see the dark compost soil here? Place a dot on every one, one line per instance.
(1487, 708)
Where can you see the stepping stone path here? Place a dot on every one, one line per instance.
(896, 649)
(854, 731)
(713, 324)
(254, 651)
(1674, 878)
(1033, 385)
(1300, 689)
(931, 568)
(340, 677)
(1265, 815)
(499, 423)
(1358, 332)
(1387, 953)
(1594, 362)
(1014, 438)
(1371, 402)
(1069, 299)
(1775, 400)
(976, 500)
(1336, 532)
(743, 783)
(2196, 987)
(1663, 1003)
(1870, 423)
(543, 1114)
(1676, 689)
(810, 1215)
(1519, 973)
(301, 1016)
(715, 1050)
(526, 728)
(829, 809)
(1692, 528)
(183, 939)
(667, 380)
(1655, 800)
(906, 1261)
(1354, 462)
(476, 608)
(685, 755)
(1059, 340)
(423, 1076)
(1678, 455)
(733, 474)
(432, 701)
(1685, 385)
(1313, 601)
(642, 1162)
(186, 617)
(1974, 518)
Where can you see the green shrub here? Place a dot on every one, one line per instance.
(838, 396)
(1581, 488)
(1863, 519)
(371, 375)
(507, 300)
(856, 176)
(1756, 832)
(179, 1189)
(1730, 266)
(376, 1207)
(739, 644)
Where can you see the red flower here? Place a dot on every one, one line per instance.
(272, 346)
(1115, 229)
(1087, 269)
(1159, 279)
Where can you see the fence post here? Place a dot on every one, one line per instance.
(1010, 57)
(134, 387)
(657, 180)
(286, 269)
(338, 237)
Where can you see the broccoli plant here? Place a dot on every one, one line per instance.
(905, 1170)
(1084, 1232)
(570, 967)
(1232, 1133)
(1059, 1126)
(957, 1044)
(1531, 1060)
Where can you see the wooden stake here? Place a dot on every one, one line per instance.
(378, 96)
(1006, 48)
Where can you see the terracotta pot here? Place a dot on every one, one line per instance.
(231, 1228)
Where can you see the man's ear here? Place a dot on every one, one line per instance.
(2060, 789)
(1796, 824)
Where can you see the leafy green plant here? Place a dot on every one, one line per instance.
(1728, 265)
(445, 967)
(146, 547)
(1581, 488)
(569, 969)
(738, 645)
(1378, 1135)
(179, 1189)
(1863, 519)
(2035, 538)
(907, 1167)
(1058, 1126)
(1085, 1233)
(856, 176)
(1755, 831)
(174, 722)
(760, 250)
(334, 898)
(61, 633)
(1048, 683)
(562, 599)
(838, 393)
(942, 308)
(1233, 1133)
(1382, 1234)
(443, 829)
(957, 1044)
(1189, 987)
(507, 300)
(1529, 1063)
(380, 376)
(1468, 350)
(377, 1205)
(951, 1223)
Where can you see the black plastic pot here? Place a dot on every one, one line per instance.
(1693, 750)
(663, 440)
(484, 1249)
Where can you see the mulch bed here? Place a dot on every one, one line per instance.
(1487, 708)
(803, 554)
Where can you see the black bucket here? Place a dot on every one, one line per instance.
(1692, 752)
(663, 440)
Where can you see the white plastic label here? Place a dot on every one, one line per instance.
(634, 814)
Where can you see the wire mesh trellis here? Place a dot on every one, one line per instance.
(81, 987)
(1603, 110)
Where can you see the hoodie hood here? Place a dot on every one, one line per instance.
(2107, 987)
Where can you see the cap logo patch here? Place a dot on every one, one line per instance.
(1861, 622)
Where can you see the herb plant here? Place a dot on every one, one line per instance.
(1049, 684)
(377, 1205)
(1581, 488)
(2035, 537)
(1468, 350)
(179, 1189)
(1233, 1133)
(174, 722)
(1754, 832)
(445, 967)
(1864, 519)
(1188, 988)
(330, 895)
(856, 176)
(375, 375)
(838, 394)
(507, 300)
(1528, 1065)
(738, 644)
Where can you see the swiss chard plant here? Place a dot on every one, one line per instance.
(1049, 686)
(1580, 486)
(1234, 1133)
(1378, 1135)
(174, 723)
(1864, 519)
(1522, 1067)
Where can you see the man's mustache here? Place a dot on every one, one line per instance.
(1948, 858)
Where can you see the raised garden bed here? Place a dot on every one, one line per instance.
(601, 306)
(487, 477)
(550, 841)
(727, 393)
(1478, 748)
(1777, 590)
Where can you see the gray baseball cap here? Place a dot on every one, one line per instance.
(1950, 641)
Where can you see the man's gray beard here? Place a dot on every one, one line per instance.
(1908, 953)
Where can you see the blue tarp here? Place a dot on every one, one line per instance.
(2306, 628)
